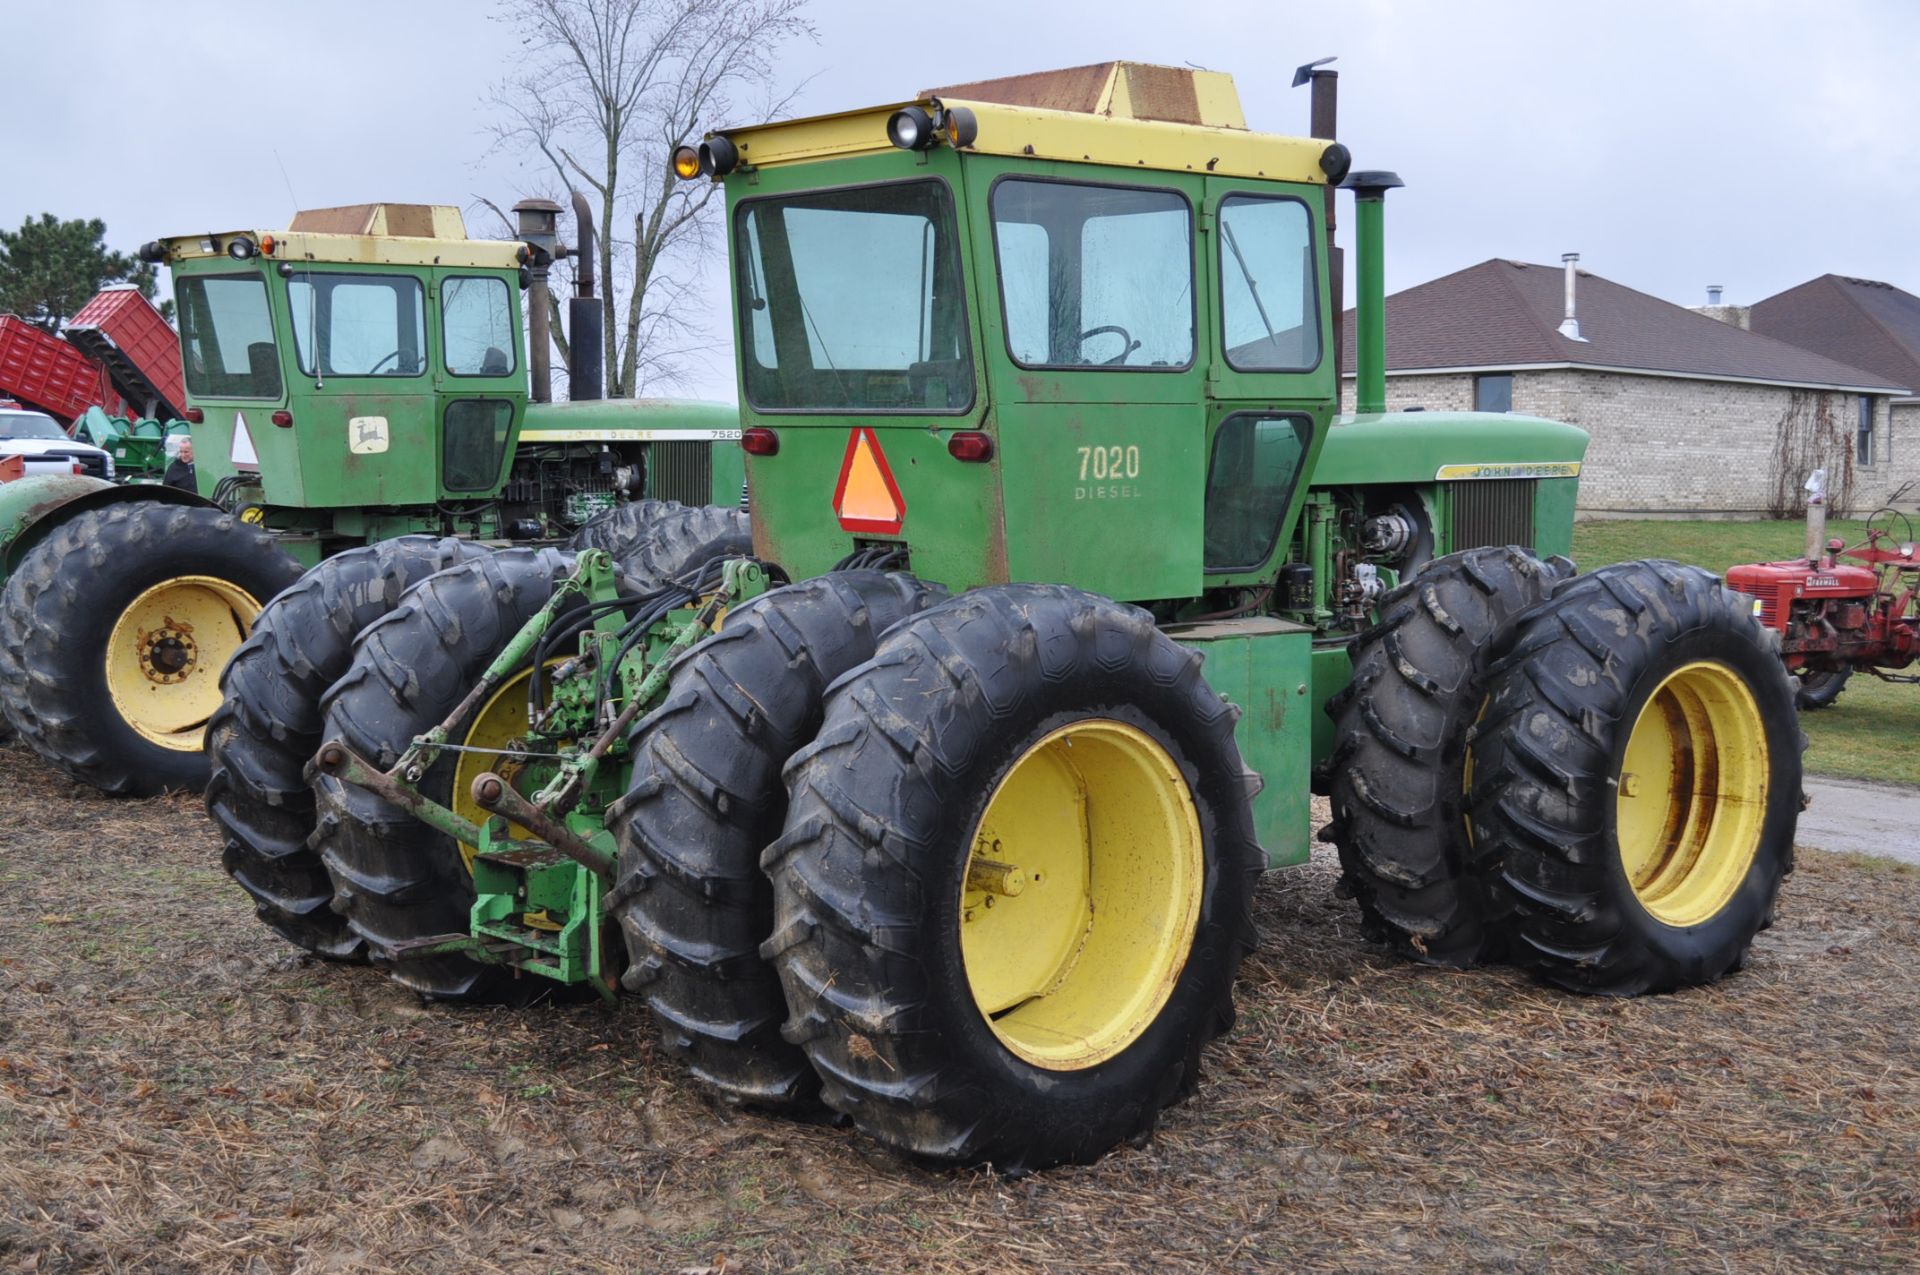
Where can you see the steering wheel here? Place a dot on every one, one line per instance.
(1129, 346)
(393, 358)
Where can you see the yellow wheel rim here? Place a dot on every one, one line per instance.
(1693, 793)
(501, 720)
(1082, 894)
(165, 653)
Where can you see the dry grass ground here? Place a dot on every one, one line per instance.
(178, 1091)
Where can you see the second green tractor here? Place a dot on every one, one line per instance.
(941, 805)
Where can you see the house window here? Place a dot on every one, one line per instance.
(1493, 393)
(1863, 448)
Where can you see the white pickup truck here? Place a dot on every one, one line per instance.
(38, 440)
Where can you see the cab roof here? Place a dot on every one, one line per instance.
(363, 234)
(1129, 114)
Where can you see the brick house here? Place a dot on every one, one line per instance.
(1862, 323)
(1689, 416)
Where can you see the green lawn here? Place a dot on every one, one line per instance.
(1873, 732)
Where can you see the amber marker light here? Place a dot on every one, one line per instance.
(960, 126)
(686, 163)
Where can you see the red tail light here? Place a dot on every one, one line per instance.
(283, 418)
(194, 415)
(759, 441)
(970, 445)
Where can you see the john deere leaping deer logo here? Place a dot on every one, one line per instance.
(367, 435)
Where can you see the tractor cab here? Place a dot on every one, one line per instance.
(364, 356)
(1062, 327)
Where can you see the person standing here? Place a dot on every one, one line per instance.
(180, 470)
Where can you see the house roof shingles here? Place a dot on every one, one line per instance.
(1507, 313)
(1859, 321)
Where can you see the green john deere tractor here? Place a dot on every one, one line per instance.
(943, 807)
(356, 378)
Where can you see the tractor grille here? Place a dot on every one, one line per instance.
(1769, 612)
(1491, 511)
(681, 471)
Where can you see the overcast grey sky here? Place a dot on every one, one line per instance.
(1672, 144)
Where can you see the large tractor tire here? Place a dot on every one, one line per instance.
(1015, 879)
(706, 799)
(682, 537)
(269, 727)
(1818, 688)
(618, 529)
(1400, 745)
(115, 630)
(1637, 777)
(396, 879)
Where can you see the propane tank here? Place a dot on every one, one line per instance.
(1816, 516)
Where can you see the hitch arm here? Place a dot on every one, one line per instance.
(496, 796)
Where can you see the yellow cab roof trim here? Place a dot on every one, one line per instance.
(379, 234)
(369, 250)
(1032, 133)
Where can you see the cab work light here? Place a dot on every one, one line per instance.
(718, 157)
(911, 129)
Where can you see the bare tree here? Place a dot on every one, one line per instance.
(606, 90)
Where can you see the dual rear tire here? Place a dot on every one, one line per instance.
(1597, 777)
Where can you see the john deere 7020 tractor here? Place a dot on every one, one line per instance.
(943, 807)
(356, 378)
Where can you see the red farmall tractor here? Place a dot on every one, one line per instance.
(1833, 617)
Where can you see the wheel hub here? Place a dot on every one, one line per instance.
(168, 653)
(164, 655)
(1082, 894)
(1692, 794)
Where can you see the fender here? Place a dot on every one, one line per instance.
(31, 507)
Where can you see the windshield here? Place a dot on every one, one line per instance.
(850, 300)
(29, 425)
(369, 325)
(1095, 276)
(226, 336)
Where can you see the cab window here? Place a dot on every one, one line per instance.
(362, 324)
(1269, 307)
(1250, 481)
(476, 326)
(226, 337)
(1094, 276)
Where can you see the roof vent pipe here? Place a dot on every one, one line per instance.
(1570, 326)
(1713, 294)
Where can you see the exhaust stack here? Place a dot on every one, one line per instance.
(585, 313)
(1817, 519)
(1370, 277)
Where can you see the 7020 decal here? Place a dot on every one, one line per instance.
(1100, 463)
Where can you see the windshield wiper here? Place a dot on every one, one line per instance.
(1252, 287)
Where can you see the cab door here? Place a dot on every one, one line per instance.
(1271, 380)
(364, 397)
(481, 390)
(1097, 350)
